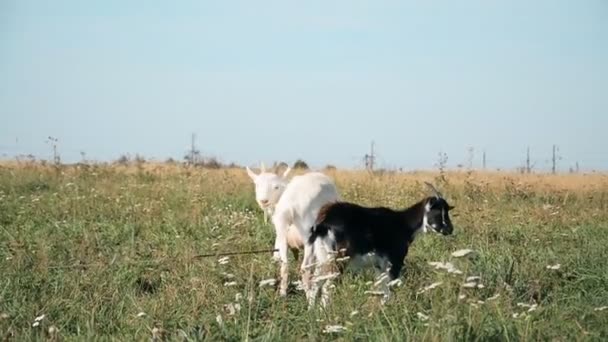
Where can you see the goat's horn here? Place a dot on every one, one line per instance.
(437, 193)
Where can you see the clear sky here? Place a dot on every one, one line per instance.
(317, 80)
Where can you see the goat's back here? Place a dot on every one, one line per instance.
(361, 229)
(305, 195)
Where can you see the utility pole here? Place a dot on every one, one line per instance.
(483, 160)
(372, 157)
(192, 149)
(193, 153)
(369, 158)
(53, 142)
(553, 159)
(471, 151)
(528, 160)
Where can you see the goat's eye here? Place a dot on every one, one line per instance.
(276, 187)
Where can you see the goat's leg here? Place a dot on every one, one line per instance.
(396, 264)
(325, 256)
(284, 268)
(382, 278)
(311, 293)
(307, 265)
(276, 255)
(281, 226)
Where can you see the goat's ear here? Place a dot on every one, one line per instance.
(262, 167)
(436, 192)
(450, 207)
(287, 171)
(251, 174)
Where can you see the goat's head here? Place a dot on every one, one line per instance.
(269, 187)
(437, 214)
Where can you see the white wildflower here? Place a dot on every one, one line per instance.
(430, 287)
(554, 267)
(462, 296)
(230, 283)
(298, 284)
(375, 293)
(480, 286)
(53, 330)
(469, 285)
(39, 318)
(462, 252)
(354, 313)
(230, 308)
(238, 297)
(601, 308)
(325, 277)
(141, 314)
(342, 259)
(228, 275)
(530, 307)
(268, 282)
(156, 333)
(473, 278)
(223, 261)
(219, 320)
(395, 282)
(35, 324)
(422, 316)
(448, 266)
(331, 329)
(494, 297)
(381, 280)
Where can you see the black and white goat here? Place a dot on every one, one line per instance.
(379, 233)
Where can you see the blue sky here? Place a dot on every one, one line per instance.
(317, 80)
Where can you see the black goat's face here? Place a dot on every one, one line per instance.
(437, 216)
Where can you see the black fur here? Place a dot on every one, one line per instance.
(386, 232)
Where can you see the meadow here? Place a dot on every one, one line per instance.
(112, 253)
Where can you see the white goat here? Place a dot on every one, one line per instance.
(269, 187)
(299, 206)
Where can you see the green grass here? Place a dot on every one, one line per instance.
(92, 248)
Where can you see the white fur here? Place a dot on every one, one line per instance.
(268, 188)
(299, 206)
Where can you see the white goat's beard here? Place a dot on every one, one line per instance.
(425, 225)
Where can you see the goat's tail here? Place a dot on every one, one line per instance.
(319, 230)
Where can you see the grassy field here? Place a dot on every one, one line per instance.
(110, 253)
